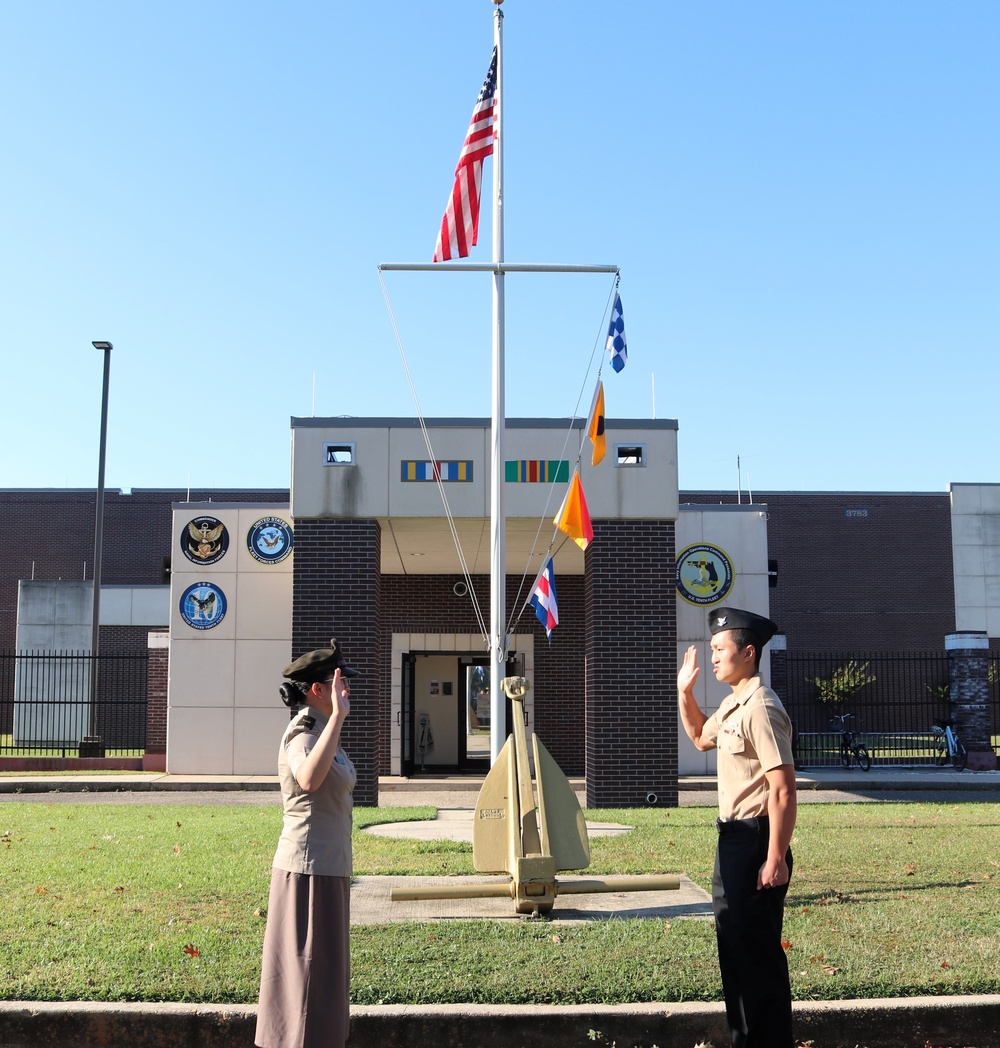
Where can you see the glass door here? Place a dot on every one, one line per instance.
(406, 715)
(475, 705)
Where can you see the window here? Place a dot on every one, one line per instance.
(338, 454)
(630, 454)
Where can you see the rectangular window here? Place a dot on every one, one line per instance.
(630, 454)
(338, 454)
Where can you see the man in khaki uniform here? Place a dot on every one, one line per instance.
(753, 861)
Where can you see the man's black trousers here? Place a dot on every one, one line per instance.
(748, 929)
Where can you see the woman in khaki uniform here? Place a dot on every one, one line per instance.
(305, 972)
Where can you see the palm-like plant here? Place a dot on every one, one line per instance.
(843, 684)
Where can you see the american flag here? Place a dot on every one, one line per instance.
(543, 598)
(460, 225)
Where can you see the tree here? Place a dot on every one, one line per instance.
(843, 684)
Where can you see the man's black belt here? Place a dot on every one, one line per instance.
(757, 825)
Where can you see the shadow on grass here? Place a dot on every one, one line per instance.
(875, 893)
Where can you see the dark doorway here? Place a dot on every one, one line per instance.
(445, 713)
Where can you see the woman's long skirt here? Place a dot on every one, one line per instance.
(305, 974)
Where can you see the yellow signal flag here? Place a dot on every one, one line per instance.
(573, 517)
(595, 427)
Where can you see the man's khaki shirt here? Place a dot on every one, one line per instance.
(753, 735)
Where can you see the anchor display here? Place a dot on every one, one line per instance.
(531, 831)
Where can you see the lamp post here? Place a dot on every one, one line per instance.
(106, 347)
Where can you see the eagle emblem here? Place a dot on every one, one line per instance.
(203, 605)
(205, 540)
(270, 540)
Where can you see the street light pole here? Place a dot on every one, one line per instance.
(99, 536)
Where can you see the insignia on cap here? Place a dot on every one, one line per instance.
(737, 619)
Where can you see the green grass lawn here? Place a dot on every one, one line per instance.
(118, 903)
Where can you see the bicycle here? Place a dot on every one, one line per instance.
(849, 749)
(948, 747)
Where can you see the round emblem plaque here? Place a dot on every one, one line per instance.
(203, 605)
(205, 540)
(704, 574)
(269, 540)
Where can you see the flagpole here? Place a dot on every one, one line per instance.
(498, 516)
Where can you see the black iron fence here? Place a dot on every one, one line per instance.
(46, 709)
(823, 749)
(894, 700)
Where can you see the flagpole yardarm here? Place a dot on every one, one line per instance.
(494, 267)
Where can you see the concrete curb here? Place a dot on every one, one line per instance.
(893, 1023)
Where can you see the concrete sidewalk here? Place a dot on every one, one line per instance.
(395, 791)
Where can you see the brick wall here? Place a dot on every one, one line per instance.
(156, 698)
(882, 580)
(560, 683)
(55, 537)
(631, 708)
(55, 540)
(338, 593)
(54, 532)
(868, 570)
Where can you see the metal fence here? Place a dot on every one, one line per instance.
(46, 708)
(895, 749)
(894, 700)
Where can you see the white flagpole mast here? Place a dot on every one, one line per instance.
(498, 515)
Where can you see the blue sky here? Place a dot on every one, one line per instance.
(802, 198)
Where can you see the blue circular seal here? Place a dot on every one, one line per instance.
(203, 605)
(205, 540)
(704, 574)
(269, 540)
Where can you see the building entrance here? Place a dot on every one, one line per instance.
(445, 713)
(440, 706)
